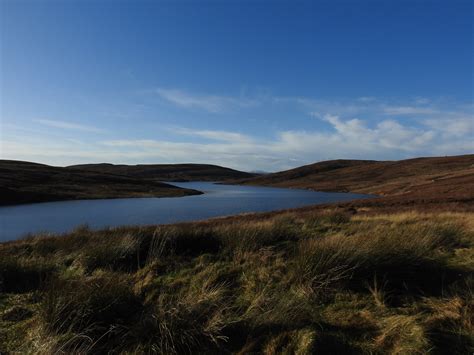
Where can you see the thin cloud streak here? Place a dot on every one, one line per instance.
(352, 138)
(215, 135)
(68, 125)
(409, 110)
(354, 129)
(210, 103)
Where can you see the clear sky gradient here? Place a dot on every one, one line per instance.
(253, 85)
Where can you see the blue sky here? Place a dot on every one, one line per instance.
(254, 85)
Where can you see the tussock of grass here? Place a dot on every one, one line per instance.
(402, 334)
(182, 322)
(18, 275)
(292, 342)
(327, 283)
(87, 313)
(182, 240)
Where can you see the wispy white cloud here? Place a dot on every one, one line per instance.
(454, 126)
(67, 125)
(366, 105)
(386, 134)
(358, 129)
(422, 100)
(367, 99)
(349, 138)
(409, 110)
(210, 103)
(215, 135)
(344, 107)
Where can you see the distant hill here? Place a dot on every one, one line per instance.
(420, 177)
(25, 182)
(168, 172)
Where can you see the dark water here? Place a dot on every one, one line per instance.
(218, 200)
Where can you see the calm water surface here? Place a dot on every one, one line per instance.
(218, 200)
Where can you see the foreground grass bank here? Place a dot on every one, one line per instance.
(325, 282)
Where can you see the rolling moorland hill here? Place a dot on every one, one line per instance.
(444, 179)
(24, 182)
(168, 172)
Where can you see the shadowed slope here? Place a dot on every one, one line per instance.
(24, 182)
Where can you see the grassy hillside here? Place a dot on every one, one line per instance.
(422, 178)
(24, 182)
(391, 275)
(169, 172)
(320, 280)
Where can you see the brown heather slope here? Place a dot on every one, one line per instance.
(168, 172)
(404, 182)
(24, 182)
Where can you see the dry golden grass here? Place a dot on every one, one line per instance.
(308, 282)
